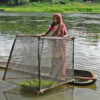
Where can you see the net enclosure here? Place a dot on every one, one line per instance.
(40, 63)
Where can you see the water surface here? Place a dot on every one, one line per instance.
(84, 27)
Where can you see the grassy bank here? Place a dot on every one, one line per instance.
(72, 7)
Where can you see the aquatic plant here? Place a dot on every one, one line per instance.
(34, 83)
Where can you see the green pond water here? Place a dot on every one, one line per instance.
(84, 27)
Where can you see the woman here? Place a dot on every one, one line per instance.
(58, 66)
(57, 27)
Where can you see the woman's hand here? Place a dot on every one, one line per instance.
(65, 36)
(39, 35)
(43, 34)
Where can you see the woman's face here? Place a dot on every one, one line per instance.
(56, 19)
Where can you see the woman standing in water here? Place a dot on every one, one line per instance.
(58, 64)
(57, 27)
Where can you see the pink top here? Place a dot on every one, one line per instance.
(54, 28)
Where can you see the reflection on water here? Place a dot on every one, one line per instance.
(64, 92)
(61, 93)
(6, 41)
(86, 29)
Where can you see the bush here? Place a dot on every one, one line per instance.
(56, 1)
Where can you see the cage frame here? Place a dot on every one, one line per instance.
(39, 57)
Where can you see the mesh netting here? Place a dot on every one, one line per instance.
(40, 62)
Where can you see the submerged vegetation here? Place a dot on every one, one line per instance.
(34, 83)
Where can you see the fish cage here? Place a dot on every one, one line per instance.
(40, 63)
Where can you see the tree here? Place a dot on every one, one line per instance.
(14, 2)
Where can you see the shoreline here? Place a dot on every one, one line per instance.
(38, 13)
(72, 7)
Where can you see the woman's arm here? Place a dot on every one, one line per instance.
(47, 32)
(44, 34)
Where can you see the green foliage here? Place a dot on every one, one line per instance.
(78, 0)
(34, 83)
(56, 1)
(47, 7)
(14, 2)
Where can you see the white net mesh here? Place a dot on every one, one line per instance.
(45, 60)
